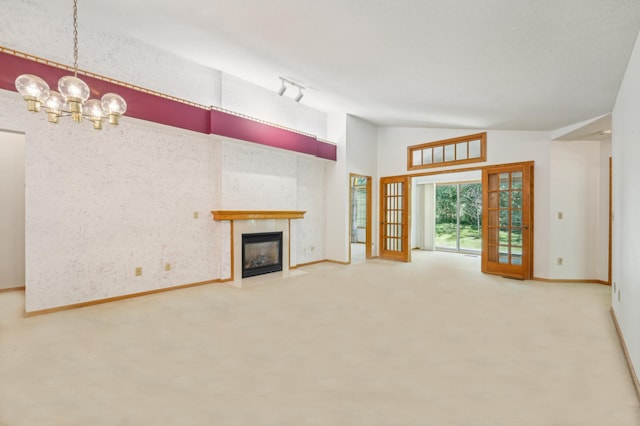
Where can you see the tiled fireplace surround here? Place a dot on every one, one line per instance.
(256, 221)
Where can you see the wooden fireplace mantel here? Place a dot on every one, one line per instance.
(256, 214)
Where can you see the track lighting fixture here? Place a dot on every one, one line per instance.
(283, 88)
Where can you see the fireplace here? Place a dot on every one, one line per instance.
(261, 253)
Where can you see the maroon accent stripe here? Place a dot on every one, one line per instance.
(151, 107)
(327, 151)
(236, 127)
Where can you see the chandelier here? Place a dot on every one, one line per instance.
(73, 96)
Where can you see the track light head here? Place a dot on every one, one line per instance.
(283, 87)
(299, 95)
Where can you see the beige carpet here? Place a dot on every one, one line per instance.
(377, 343)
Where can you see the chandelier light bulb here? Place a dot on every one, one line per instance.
(33, 89)
(75, 91)
(94, 112)
(72, 87)
(55, 105)
(114, 106)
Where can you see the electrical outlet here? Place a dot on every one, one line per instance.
(138, 271)
(167, 267)
(559, 261)
(618, 295)
(196, 215)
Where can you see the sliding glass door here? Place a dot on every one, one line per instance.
(459, 217)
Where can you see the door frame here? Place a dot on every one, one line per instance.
(369, 212)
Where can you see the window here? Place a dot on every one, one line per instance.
(466, 149)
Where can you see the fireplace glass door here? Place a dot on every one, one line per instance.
(261, 253)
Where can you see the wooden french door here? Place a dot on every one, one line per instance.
(507, 220)
(394, 218)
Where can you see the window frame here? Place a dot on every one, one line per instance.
(482, 137)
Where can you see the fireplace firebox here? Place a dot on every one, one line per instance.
(261, 253)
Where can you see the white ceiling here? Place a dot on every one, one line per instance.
(490, 64)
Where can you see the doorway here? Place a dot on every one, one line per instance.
(446, 213)
(359, 218)
(458, 214)
(506, 224)
(12, 213)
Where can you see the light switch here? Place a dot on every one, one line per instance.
(560, 215)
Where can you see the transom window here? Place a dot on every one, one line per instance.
(465, 149)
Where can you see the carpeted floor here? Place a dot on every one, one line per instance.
(433, 342)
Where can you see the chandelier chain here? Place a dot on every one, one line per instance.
(75, 37)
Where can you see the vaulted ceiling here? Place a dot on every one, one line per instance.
(490, 64)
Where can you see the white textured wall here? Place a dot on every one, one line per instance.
(310, 231)
(626, 207)
(12, 227)
(362, 159)
(576, 192)
(257, 178)
(337, 192)
(502, 147)
(100, 204)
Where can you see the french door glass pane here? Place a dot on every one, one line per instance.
(504, 217)
(516, 218)
(516, 199)
(504, 181)
(516, 180)
(504, 254)
(504, 199)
